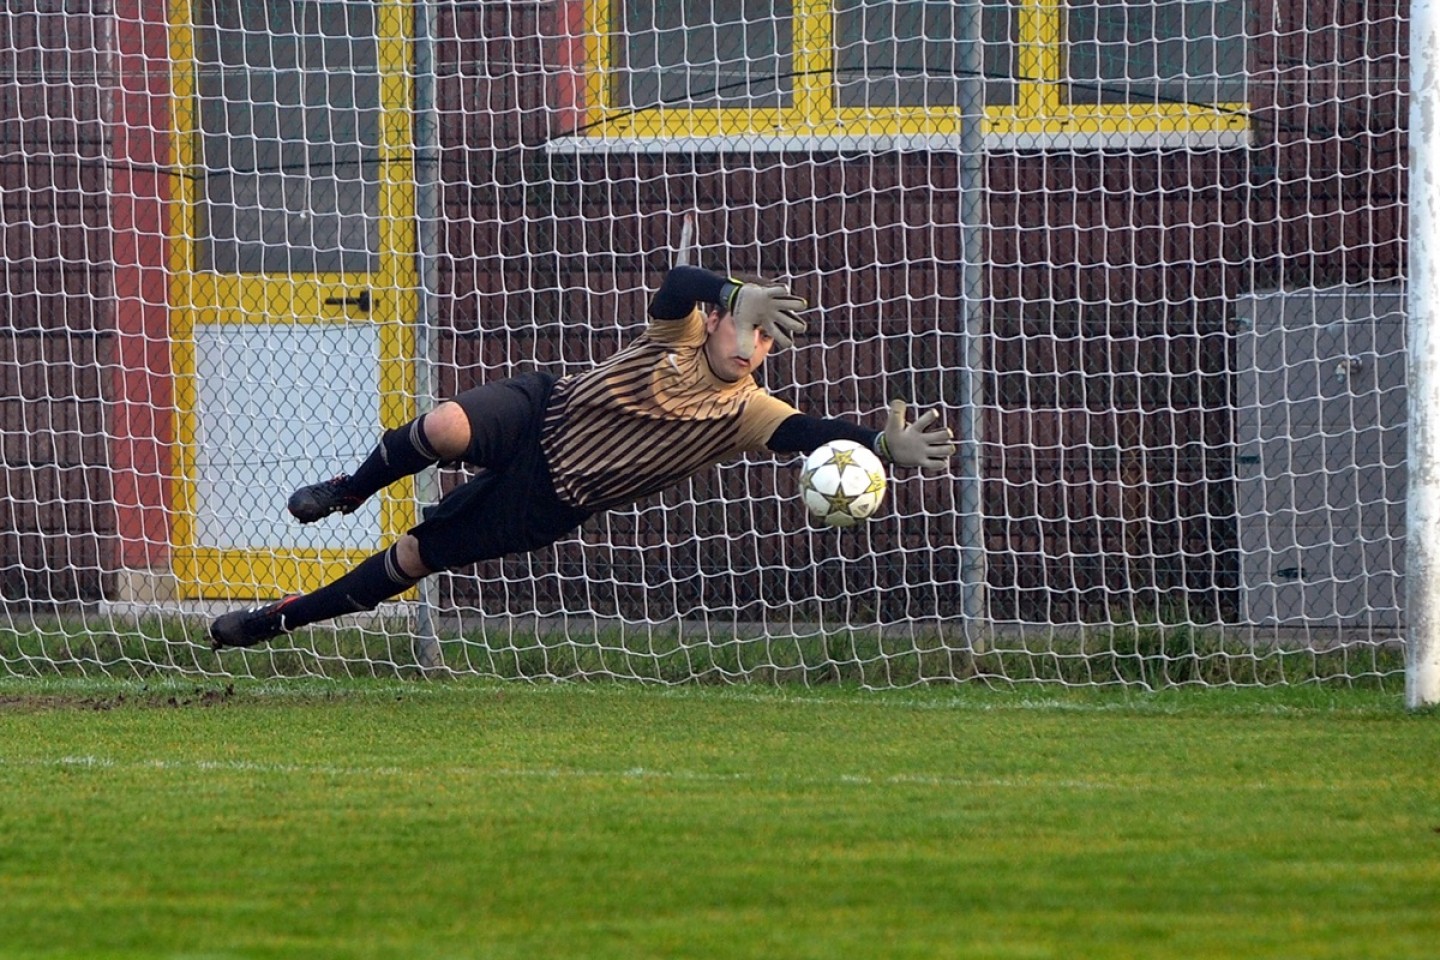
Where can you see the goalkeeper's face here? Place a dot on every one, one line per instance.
(722, 348)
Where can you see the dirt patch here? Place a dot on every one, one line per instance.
(142, 698)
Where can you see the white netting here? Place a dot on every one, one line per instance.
(1155, 289)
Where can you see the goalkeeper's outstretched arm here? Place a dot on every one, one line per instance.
(802, 434)
(684, 287)
(923, 443)
(768, 307)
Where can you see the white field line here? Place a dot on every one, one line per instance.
(1141, 704)
(632, 774)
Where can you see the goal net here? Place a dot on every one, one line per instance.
(1143, 256)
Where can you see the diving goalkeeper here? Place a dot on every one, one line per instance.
(554, 451)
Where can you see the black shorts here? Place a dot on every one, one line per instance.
(511, 505)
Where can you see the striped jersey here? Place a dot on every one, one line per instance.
(649, 417)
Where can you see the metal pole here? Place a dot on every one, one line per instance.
(427, 242)
(971, 383)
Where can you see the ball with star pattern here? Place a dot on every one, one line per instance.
(842, 483)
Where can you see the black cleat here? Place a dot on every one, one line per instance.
(245, 628)
(319, 500)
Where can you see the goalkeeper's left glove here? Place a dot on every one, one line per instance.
(917, 444)
(775, 310)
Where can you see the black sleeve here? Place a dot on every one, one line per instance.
(804, 434)
(683, 288)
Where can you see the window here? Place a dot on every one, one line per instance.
(1161, 51)
(703, 53)
(1052, 72)
(890, 54)
(290, 128)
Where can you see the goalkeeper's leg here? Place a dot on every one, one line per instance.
(490, 515)
(441, 434)
(386, 574)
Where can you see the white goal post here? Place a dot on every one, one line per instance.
(1422, 686)
(1148, 258)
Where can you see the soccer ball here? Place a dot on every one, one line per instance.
(842, 483)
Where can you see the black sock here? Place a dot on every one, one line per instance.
(376, 579)
(401, 452)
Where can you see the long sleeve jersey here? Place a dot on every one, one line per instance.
(654, 414)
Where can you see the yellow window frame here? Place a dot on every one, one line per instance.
(199, 296)
(1039, 109)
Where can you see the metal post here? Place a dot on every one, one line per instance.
(971, 383)
(427, 242)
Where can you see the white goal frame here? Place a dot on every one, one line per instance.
(1148, 257)
(1422, 686)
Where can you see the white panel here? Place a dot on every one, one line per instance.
(1320, 456)
(280, 406)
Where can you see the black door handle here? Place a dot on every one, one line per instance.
(361, 300)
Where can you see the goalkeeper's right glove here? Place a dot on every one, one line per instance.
(917, 444)
(775, 310)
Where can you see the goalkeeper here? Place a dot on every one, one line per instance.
(553, 452)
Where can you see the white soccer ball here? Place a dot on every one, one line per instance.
(842, 483)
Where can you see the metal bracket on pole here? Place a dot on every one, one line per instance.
(687, 237)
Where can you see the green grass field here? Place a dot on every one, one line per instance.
(473, 819)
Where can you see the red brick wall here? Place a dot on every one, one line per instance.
(57, 524)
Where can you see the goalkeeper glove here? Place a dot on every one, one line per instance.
(775, 310)
(917, 444)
